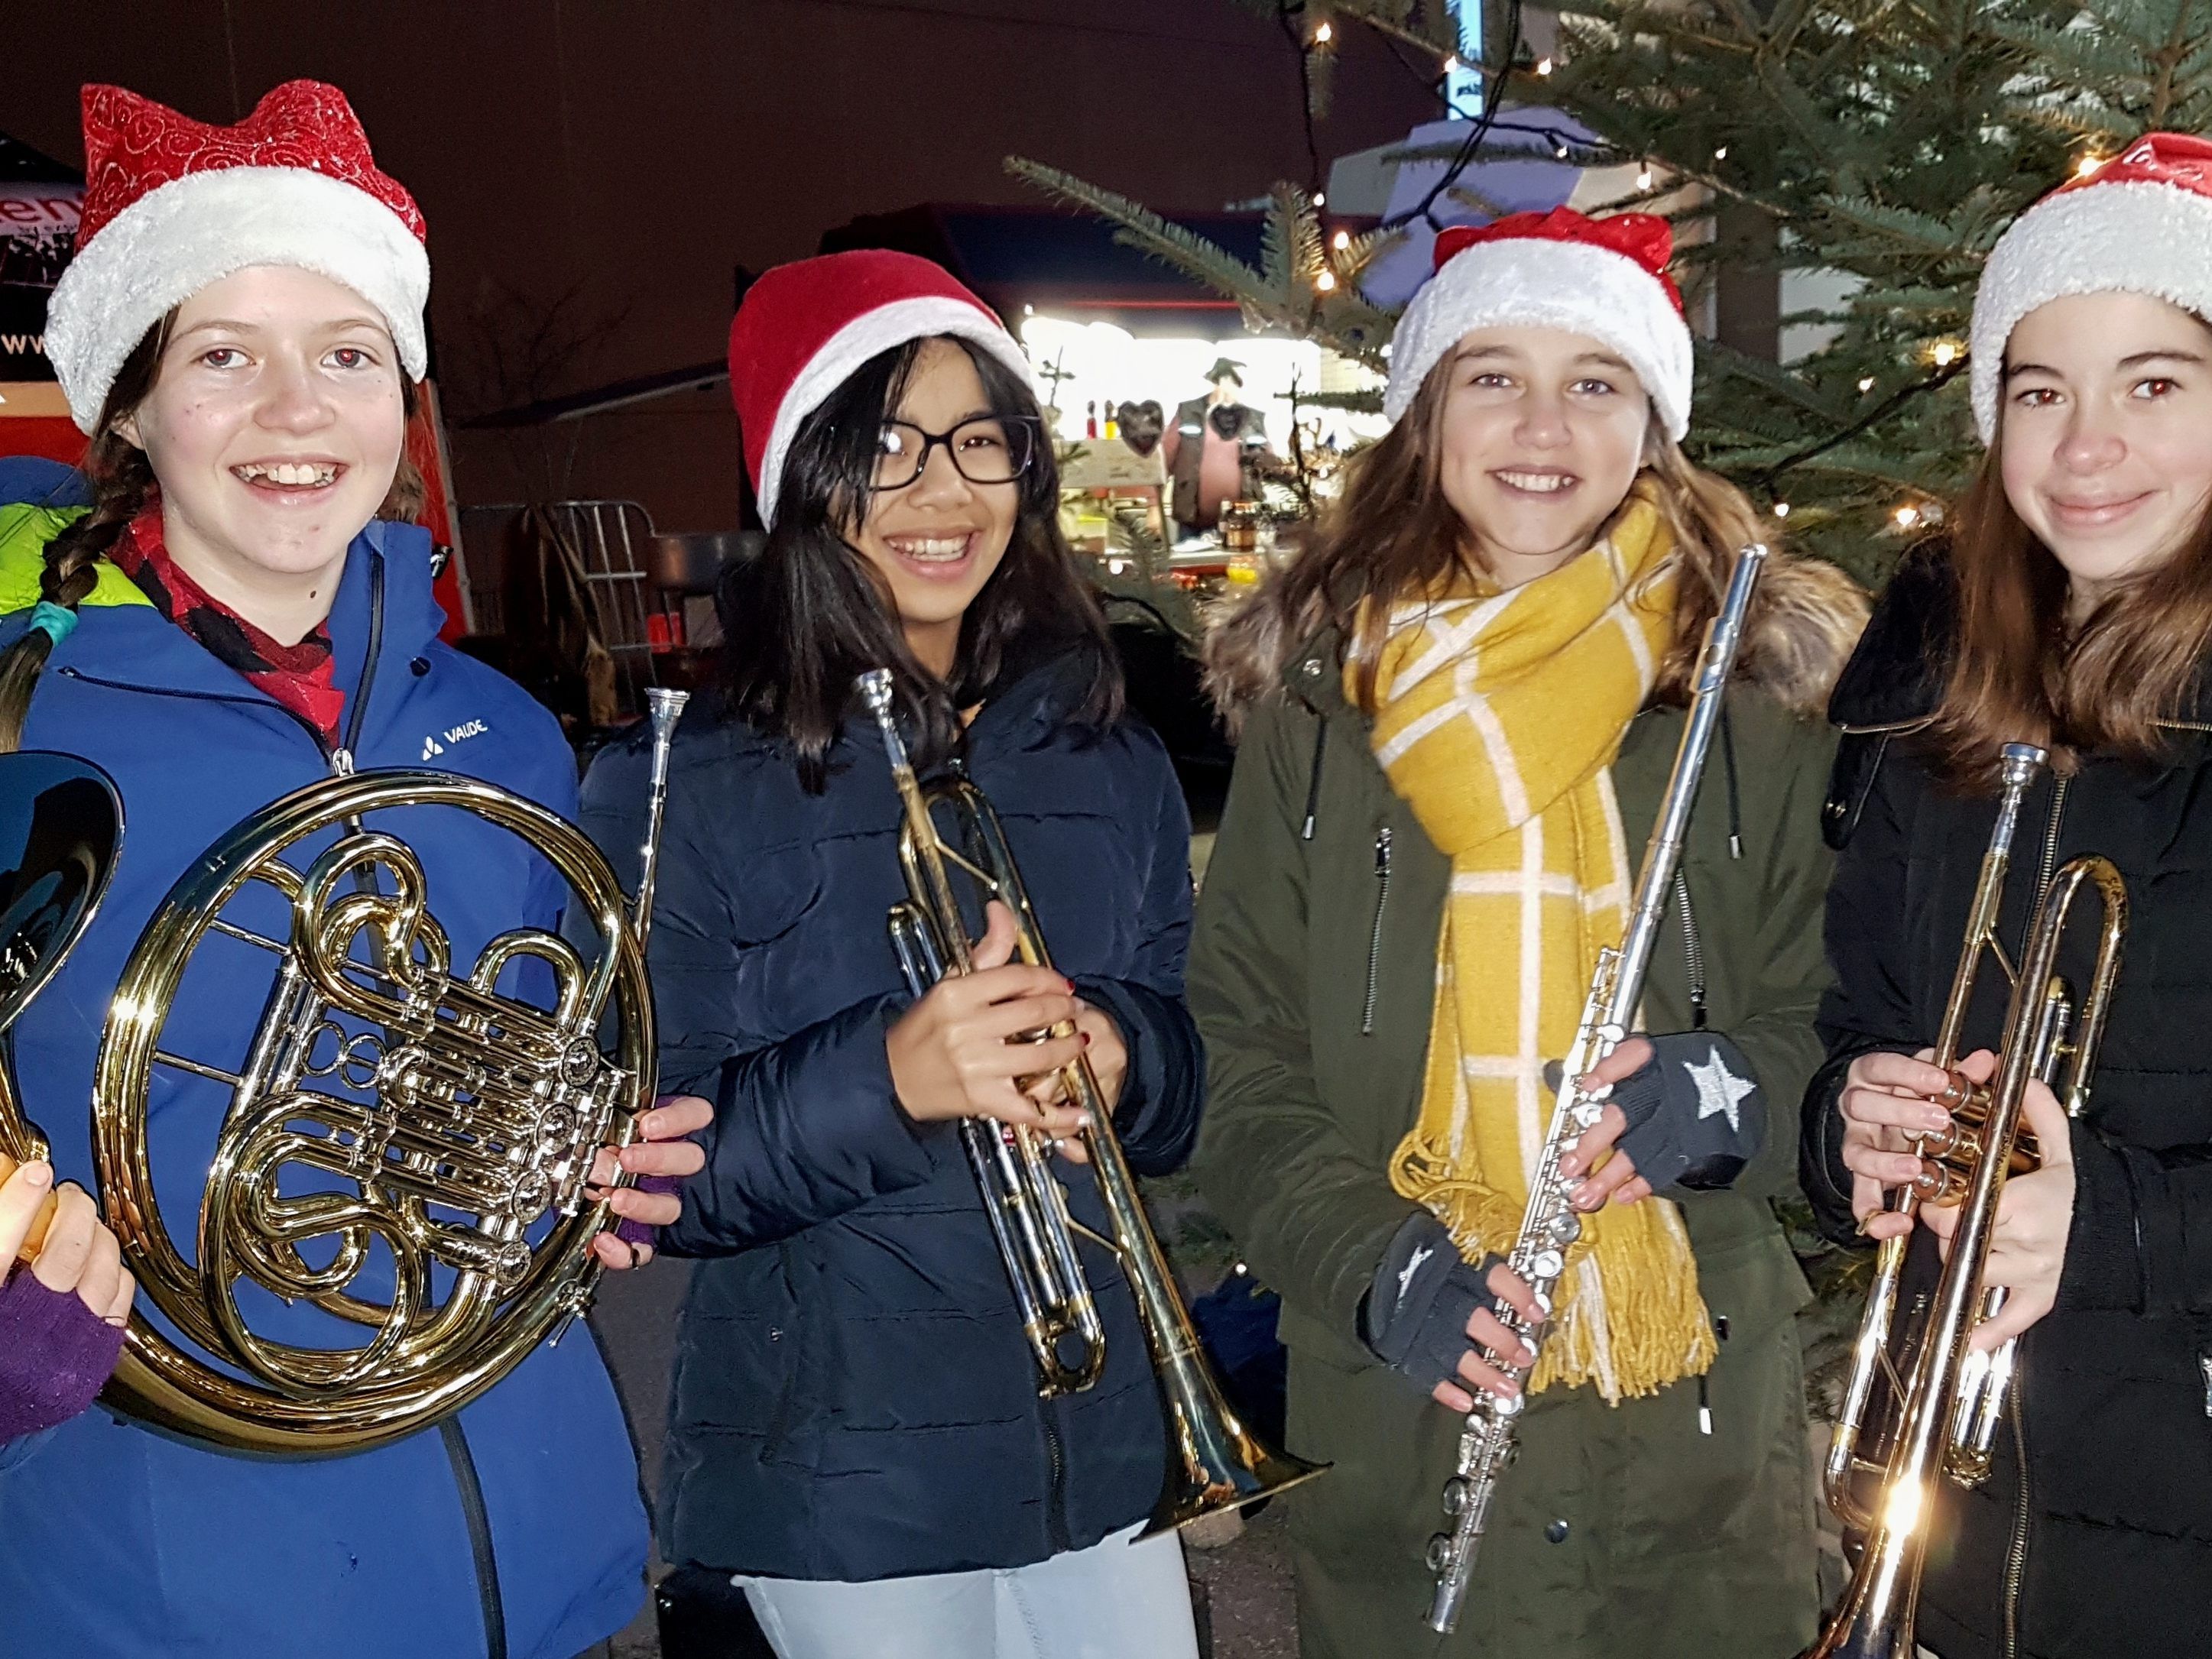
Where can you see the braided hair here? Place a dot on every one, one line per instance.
(122, 487)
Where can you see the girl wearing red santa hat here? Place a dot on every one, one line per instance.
(1459, 708)
(241, 613)
(855, 1431)
(2069, 606)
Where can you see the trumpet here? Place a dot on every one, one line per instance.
(1214, 1461)
(1946, 1400)
(1491, 1439)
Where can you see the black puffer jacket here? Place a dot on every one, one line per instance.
(854, 1398)
(2108, 1551)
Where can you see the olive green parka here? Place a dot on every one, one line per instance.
(1677, 1524)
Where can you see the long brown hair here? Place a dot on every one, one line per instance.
(122, 487)
(1394, 534)
(2020, 672)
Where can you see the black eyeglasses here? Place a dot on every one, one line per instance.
(987, 450)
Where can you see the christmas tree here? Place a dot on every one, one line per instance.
(1877, 146)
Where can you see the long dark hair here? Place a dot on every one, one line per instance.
(122, 487)
(2020, 673)
(809, 615)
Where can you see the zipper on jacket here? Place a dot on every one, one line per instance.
(2016, 1553)
(471, 1491)
(1313, 780)
(1056, 1495)
(2050, 837)
(1693, 952)
(1734, 795)
(1375, 934)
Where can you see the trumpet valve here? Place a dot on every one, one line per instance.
(1936, 1183)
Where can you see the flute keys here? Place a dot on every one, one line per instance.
(1457, 1491)
(1442, 1550)
(1564, 1228)
(1548, 1265)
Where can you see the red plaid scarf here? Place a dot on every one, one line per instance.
(296, 676)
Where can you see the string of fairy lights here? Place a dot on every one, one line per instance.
(1313, 31)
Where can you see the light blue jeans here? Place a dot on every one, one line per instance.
(1119, 1598)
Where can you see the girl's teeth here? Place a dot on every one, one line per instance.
(935, 549)
(1542, 482)
(296, 474)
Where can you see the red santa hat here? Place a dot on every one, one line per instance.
(806, 327)
(2139, 224)
(171, 205)
(1606, 278)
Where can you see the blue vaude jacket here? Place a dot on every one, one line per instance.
(854, 1398)
(124, 1542)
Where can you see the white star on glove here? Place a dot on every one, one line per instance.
(1719, 1090)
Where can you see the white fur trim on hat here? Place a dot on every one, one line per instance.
(865, 337)
(1533, 282)
(175, 240)
(2132, 237)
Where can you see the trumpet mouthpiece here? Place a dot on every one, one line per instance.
(664, 705)
(875, 688)
(2022, 761)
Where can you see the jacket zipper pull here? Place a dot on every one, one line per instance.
(341, 762)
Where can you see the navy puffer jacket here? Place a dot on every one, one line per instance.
(854, 1398)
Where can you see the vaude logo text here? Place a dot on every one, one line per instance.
(435, 745)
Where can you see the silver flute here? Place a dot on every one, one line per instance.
(1549, 1225)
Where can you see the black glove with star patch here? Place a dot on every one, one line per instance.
(1414, 1315)
(1696, 1114)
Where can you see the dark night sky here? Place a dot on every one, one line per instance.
(628, 156)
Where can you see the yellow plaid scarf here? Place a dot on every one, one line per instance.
(1499, 715)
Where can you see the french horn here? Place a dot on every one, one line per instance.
(395, 1209)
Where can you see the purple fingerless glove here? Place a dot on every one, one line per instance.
(55, 1354)
(644, 1232)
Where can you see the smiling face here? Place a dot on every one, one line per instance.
(937, 541)
(2105, 436)
(275, 425)
(1542, 433)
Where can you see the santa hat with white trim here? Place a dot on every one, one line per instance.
(1604, 278)
(171, 205)
(805, 328)
(2140, 224)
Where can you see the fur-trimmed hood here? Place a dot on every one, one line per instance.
(1806, 616)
